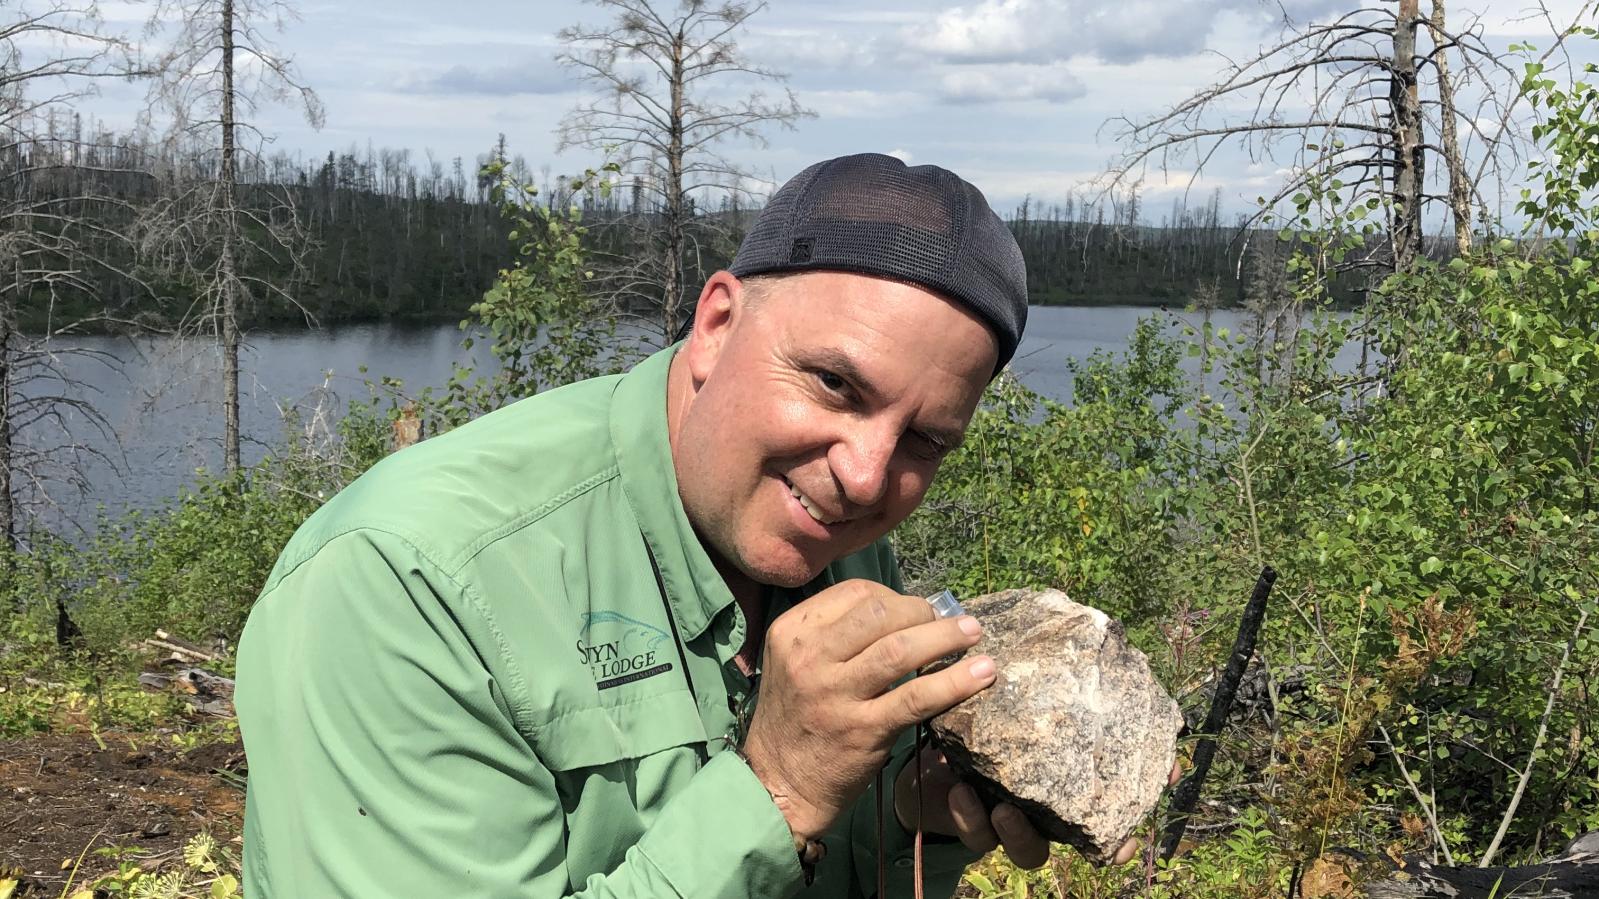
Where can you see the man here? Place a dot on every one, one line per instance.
(519, 659)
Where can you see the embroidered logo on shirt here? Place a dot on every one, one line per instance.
(621, 650)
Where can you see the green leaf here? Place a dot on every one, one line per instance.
(975, 878)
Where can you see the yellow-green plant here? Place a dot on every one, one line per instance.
(207, 870)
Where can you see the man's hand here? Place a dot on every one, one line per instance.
(954, 809)
(828, 712)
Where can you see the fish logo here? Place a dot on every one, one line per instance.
(621, 650)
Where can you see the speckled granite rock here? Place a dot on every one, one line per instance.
(1075, 731)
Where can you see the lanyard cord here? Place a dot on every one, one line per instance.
(882, 864)
(916, 874)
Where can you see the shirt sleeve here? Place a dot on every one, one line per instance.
(385, 760)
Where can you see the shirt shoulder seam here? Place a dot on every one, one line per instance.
(516, 694)
(507, 528)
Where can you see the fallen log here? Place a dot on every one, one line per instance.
(1574, 874)
(181, 649)
(1555, 880)
(207, 693)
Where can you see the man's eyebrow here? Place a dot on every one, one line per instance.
(842, 365)
(839, 363)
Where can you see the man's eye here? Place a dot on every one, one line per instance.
(833, 382)
(926, 448)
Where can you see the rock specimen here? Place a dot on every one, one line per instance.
(1075, 731)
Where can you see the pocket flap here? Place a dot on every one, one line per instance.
(602, 734)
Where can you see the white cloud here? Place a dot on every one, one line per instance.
(904, 156)
(538, 75)
(873, 17)
(1525, 21)
(1054, 30)
(810, 52)
(130, 12)
(994, 29)
(1010, 83)
(860, 104)
(1003, 186)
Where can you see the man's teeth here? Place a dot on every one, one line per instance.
(804, 501)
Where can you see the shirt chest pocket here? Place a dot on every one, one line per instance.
(615, 767)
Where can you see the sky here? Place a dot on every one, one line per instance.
(1017, 96)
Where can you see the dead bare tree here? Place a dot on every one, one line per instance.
(1348, 105)
(229, 250)
(59, 232)
(675, 88)
(1449, 133)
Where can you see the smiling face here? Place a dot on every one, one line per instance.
(809, 422)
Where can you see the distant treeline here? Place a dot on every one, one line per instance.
(390, 236)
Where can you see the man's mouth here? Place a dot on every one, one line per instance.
(810, 507)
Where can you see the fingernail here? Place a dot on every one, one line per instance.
(982, 668)
(970, 626)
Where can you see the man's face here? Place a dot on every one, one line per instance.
(814, 419)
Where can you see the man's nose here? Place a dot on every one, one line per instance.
(861, 465)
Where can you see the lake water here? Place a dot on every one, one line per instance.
(161, 398)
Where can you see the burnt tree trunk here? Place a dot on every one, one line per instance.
(1448, 132)
(1408, 148)
(672, 286)
(1186, 796)
(8, 512)
(228, 327)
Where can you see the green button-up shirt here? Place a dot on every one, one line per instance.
(464, 678)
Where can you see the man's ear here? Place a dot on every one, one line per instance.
(720, 309)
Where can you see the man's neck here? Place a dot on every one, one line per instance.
(752, 602)
(746, 591)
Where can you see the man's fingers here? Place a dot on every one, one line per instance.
(920, 698)
(859, 613)
(1127, 851)
(1176, 774)
(1023, 844)
(899, 653)
(971, 819)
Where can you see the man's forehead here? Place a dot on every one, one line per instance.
(852, 295)
(829, 307)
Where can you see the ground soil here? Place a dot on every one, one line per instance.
(64, 795)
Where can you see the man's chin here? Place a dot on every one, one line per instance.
(788, 577)
(789, 568)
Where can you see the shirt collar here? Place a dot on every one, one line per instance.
(694, 588)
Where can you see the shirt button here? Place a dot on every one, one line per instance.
(904, 862)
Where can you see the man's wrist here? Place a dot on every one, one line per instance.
(804, 821)
(808, 846)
